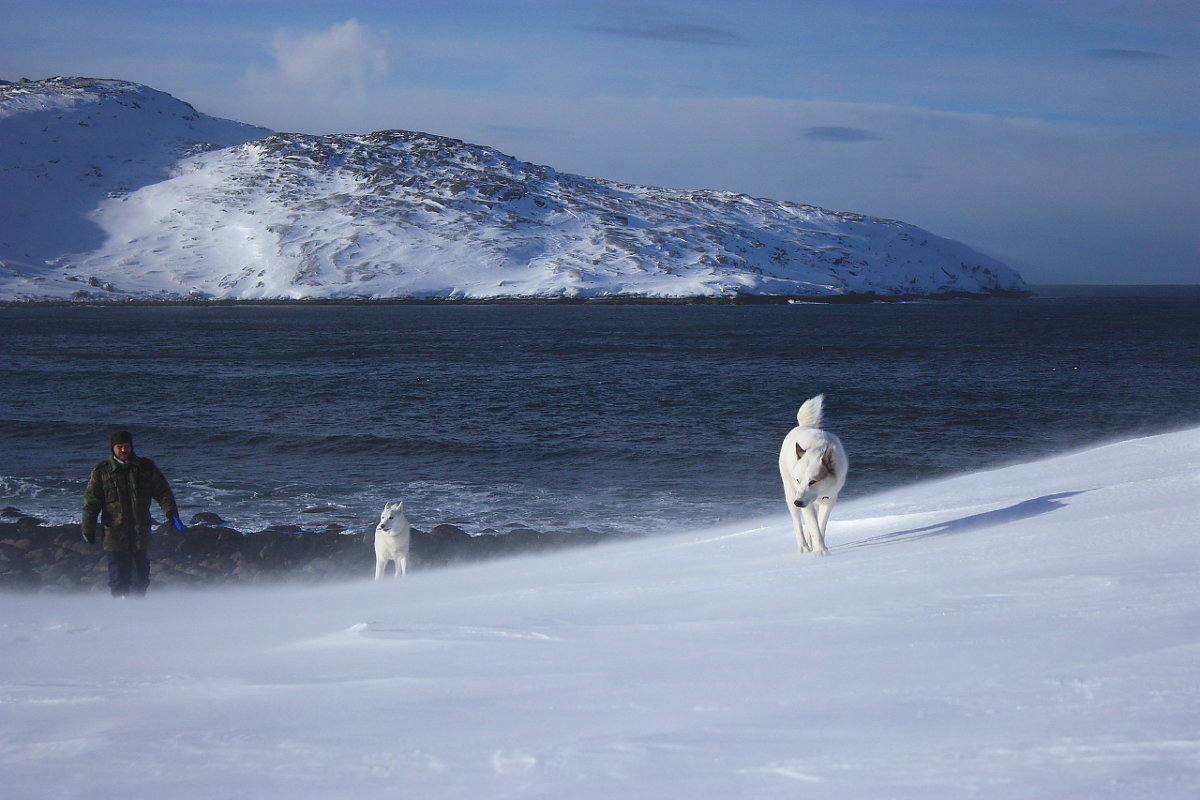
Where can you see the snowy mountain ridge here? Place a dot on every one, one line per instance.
(116, 191)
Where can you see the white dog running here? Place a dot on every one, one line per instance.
(813, 465)
(391, 540)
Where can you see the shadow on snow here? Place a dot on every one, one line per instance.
(1024, 510)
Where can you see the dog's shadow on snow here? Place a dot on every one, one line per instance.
(1026, 509)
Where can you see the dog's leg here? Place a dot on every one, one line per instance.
(798, 526)
(802, 541)
(816, 533)
(825, 508)
(380, 567)
(402, 564)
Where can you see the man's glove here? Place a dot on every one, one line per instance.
(177, 522)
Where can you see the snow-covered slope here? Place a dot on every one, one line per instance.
(396, 214)
(1029, 632)
(69, 144)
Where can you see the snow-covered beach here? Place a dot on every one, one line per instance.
(1027, 632)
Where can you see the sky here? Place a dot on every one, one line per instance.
(1060, 136)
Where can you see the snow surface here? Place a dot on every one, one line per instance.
(68, 145)
(100, 204)
(1028, 632)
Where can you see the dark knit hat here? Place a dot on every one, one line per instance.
(120, 437)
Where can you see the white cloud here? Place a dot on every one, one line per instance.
(348, 51)
(321, 82)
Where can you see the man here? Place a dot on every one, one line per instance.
(119, 490)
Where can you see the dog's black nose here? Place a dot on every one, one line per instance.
(798, 504)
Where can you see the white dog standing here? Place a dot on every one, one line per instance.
(391, 540)
(813, 465)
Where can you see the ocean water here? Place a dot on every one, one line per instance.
(632, 419)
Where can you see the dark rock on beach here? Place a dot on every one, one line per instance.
(39, 557)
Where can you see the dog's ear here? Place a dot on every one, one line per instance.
(827, 460)
(799, 451)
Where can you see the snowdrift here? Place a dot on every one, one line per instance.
(1025, 632)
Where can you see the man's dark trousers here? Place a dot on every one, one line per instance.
(128, 572)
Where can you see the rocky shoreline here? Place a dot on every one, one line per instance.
(55, 558)
(85, 298)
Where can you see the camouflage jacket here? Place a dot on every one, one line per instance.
(120, 495)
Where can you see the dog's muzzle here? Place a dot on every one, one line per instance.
(799, 504)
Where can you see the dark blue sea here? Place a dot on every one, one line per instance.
(632, 419)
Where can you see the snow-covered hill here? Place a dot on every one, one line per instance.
(115, 191)
(68, 146)
(1029, 632)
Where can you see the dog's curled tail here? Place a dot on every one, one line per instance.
(809, 415)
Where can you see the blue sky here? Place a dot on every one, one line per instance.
(1062, 136)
